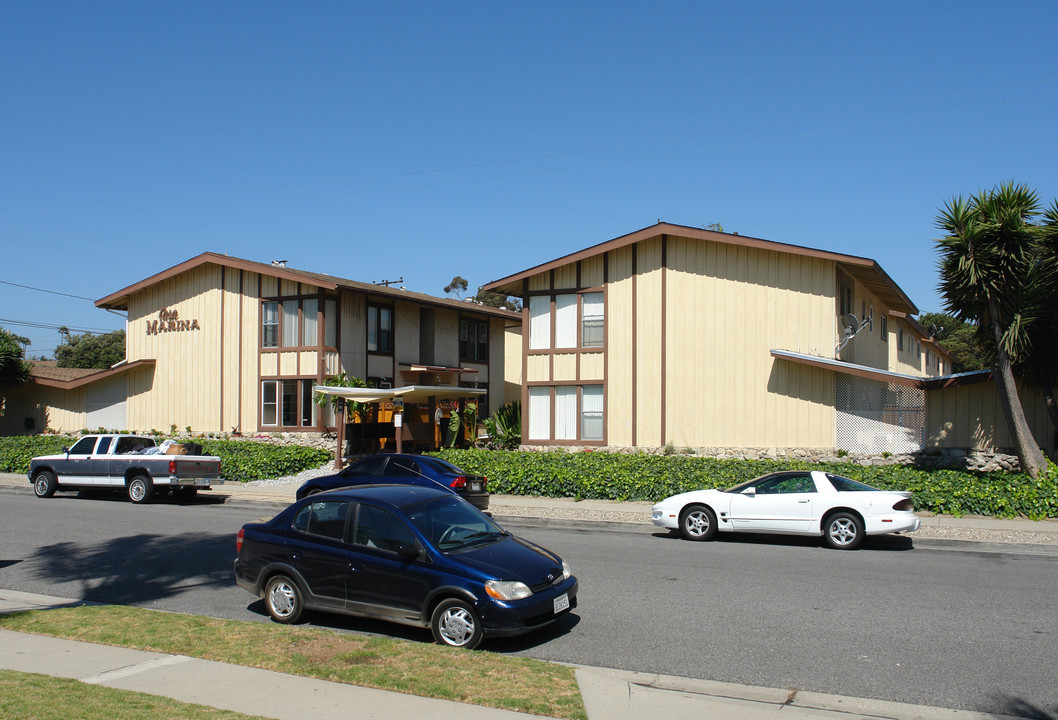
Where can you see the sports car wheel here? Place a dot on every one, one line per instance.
(843, 531)
(140, 489)
(698, 522)
(454, 623)
(44, 484)
(283, 598)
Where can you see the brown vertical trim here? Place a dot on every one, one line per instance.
(524, 392)
(551, 343)
(223, 299)
(605, 348)
(238, 370)
(260, 342)
(664, 325)
(635, 349)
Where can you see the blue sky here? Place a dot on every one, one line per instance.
(376, 141)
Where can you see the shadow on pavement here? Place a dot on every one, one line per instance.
(873, 542)
(138, 568)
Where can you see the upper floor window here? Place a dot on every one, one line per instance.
(883, 323)
(379, 329)
(578, 320)
(899, 338)
(295, 322)
(539, 322)
(474, 340)
(845, 297)
(592, 314)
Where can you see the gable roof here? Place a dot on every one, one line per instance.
(47, 373)
(865, 270)
(120, 299)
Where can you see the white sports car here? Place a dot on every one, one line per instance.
(795, 502)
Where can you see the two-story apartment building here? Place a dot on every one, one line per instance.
(220, 344)
(690, 337)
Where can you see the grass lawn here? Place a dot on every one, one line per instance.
(481, 678)
(28, 696)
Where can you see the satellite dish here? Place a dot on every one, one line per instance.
(850, 323)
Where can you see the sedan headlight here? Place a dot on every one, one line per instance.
(566, 572)
(507, 589)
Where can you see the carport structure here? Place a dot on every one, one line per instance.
(429, 395)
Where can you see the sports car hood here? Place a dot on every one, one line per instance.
(513, 559)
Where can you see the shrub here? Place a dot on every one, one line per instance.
(613, 476)
(240, 461)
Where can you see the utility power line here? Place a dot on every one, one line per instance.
(50, 292)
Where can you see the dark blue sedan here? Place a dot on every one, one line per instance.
(403, 468)
(408, 554)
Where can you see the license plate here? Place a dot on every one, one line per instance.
(561, 603)
(475, 487)
(202, 482)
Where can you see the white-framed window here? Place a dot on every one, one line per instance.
(539, 322)
(270, 324)
(566, 412)
(539, 413)
(310, 321)
(287, 403)
(592, 314)
(565, 321)
(290, 323)
(591, 413)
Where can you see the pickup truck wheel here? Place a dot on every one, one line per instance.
(44, 484)
(140, 489)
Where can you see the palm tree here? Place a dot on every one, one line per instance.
(989, 275)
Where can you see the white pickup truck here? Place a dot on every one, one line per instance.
(131, 462)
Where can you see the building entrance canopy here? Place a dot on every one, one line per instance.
(406, 394)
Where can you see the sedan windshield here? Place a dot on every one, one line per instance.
(451, 524)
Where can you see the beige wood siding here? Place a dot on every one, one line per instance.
(650, 324)
(592, 366)
(619, 338)
(51, 408)
(542, 281)
(566, 277)
(728, 306)
(353, 317)
(539, 368)
(249, 329)
(446, 337)
(406, 333)
(512, 363)
(592, 272)
(186, 389)
(565, 367)
(971, 417)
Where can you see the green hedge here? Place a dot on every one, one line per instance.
(613, 476)
(240, 461)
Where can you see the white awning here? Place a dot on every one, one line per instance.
(408, 393)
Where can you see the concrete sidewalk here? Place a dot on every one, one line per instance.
(608, 694)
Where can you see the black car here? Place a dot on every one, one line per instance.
(409, 554)
(402, 468)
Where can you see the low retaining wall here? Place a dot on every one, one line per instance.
(934, 458)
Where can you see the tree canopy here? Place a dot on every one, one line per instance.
(958, 338)
(459, 285)
(997, 262)
(91, 351)
(13, 366)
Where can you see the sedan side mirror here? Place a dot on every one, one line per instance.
(751, 491)
(409, 551)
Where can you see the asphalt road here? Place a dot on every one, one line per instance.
(967, 630)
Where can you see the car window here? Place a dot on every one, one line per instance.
(132, 444)
(104, 443)
(325, 518)
(403, 467)
(440, 465)
(844, 484)
(379, 528)
(83, 446)
(786, 484)
(452, 524)
(368, 466)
